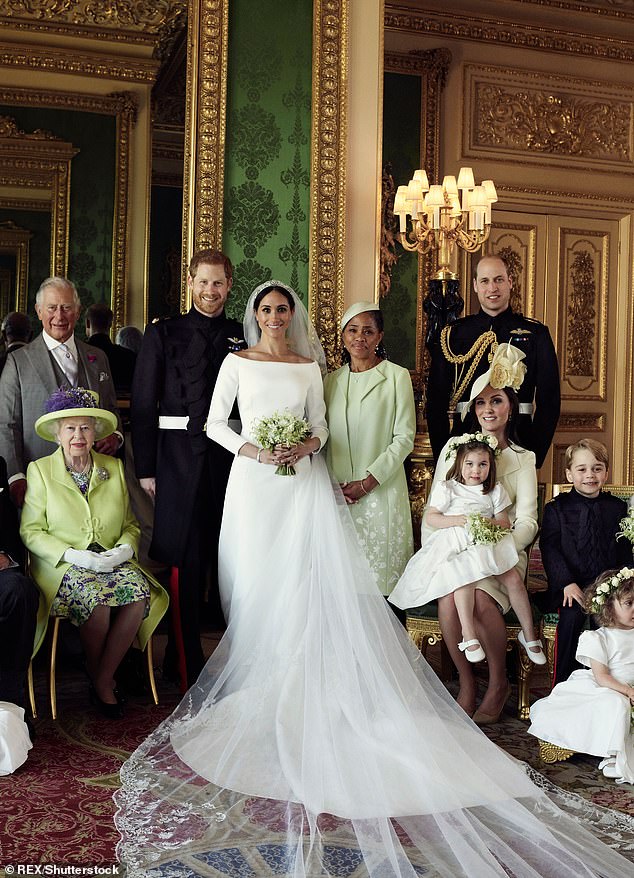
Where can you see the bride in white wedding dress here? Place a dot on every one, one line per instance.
(317, 741)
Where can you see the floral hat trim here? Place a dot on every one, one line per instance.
(483, 438)
(606, 588)
(69, 402)
(506, 370)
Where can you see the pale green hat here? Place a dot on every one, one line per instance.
(74, 402)
(357, 308)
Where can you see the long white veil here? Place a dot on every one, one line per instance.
(301, 336)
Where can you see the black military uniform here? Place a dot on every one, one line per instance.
(174, 379)
(578, 543)
(540, 385)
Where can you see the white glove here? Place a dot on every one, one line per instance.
(119, 555)
(89, 560)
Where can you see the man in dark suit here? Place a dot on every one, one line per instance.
(55, 359)
(463, 353)
(16, 332)
(18, 603)
(122, 361)
(178, 466)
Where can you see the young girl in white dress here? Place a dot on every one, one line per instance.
(451, 560)
(591, 711)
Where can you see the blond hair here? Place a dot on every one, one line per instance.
(597, 449)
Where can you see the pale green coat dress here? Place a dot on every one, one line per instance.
(56, 516)
(372, 423)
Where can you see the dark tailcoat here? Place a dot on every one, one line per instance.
(578, 543)
(122, 362)
(541, 384)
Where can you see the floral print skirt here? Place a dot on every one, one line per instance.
(81, 590)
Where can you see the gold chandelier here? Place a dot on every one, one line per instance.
(456, 212)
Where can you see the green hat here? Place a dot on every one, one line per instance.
(74, 402)
(358, 308)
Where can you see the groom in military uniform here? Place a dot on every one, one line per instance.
(463, 353)
(179, 467)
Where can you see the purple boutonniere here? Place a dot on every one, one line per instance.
(92, 358)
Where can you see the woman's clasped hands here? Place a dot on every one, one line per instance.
(100, 562)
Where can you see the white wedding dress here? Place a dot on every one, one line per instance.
(317, 741)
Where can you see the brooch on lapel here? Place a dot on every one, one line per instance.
(103, 376)
(102, 474)
(236, 344)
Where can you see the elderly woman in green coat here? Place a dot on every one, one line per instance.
(82, 538)
(372, 423)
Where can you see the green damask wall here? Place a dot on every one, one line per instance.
(91, 194)
(401, 147)
(267, 159)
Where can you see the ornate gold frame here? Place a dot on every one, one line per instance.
(15, 240)
(205, 144)
(40, 162)
(205, 127)
(432, 66)
(328, 170)
(123, 106)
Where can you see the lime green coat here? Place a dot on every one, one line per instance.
(387, 414)
(56, 516)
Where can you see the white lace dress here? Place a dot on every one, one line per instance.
(582, 716)
(317, 741)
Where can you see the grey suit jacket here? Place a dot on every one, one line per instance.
(27, 381)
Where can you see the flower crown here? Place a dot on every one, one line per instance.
(606, 588)
(484, 438)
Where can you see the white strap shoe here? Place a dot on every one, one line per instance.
(472, 655)
(537, 658)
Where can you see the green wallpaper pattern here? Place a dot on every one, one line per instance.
(91, 195)
(401, 147)
(267, 159)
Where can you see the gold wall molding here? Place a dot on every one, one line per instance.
(123, 106)
(607, 8)
(15, 241)
(205, 126)
(40, 161)
(93, 64)
(548, 118)
(24, 204)
(328, 171)
(581, 422)
(143, 21)
(583, 292)
(480, 29)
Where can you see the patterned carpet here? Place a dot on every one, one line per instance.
(57, 809)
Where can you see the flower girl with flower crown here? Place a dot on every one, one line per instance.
(592, 711)
(472, 540)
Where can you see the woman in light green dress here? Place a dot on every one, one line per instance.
(372, 422)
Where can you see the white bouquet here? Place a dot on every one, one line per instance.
(280, 428)
(484, 532)
(627, 527)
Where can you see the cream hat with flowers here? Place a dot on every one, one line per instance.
(506, 370)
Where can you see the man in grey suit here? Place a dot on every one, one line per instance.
(55, 359)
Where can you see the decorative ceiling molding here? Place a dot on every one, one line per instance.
(608, 8)
(155, 23)
(495, 31)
